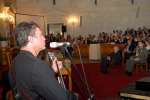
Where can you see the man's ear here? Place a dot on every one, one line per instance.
(30, 39)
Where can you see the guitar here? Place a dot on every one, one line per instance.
(71, 95)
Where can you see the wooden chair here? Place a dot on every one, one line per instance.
(145, 65)
(141, 66)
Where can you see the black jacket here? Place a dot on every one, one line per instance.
(35, 80)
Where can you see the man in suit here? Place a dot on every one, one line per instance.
(140, 57)
(33, 78)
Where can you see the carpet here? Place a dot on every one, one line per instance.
(103, 86)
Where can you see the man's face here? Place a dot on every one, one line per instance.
(39, 40)
(140, 44)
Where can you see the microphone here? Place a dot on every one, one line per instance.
(58, 44)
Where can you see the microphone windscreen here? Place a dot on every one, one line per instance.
(58, 44)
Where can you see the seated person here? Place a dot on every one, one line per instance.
(140, 57)
(117, 56)
(129, 50)
(105, 62)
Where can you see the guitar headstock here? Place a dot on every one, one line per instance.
(51, 55)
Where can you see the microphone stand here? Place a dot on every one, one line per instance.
(90, 95)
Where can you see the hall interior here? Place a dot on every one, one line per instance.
(94, 28)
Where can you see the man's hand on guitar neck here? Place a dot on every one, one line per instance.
(56, 64)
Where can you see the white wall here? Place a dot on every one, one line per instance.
(106, 16)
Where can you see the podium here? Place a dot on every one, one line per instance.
(94, 52)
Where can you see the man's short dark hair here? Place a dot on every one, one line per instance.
(23, 30)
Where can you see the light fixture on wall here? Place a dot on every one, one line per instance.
(73, 21)
(6, 15)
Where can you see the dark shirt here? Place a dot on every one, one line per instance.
(132, 47)
(117, 57)
(36, 79)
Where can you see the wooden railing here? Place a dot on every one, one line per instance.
(105, 49)
(84, 50)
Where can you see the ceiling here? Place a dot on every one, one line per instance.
(63, 7)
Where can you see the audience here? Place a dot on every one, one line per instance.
(117, 36)
(130, 37)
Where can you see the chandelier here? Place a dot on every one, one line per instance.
(6, 15)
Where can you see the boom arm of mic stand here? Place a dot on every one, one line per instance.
(74, 66)
(90, 95)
